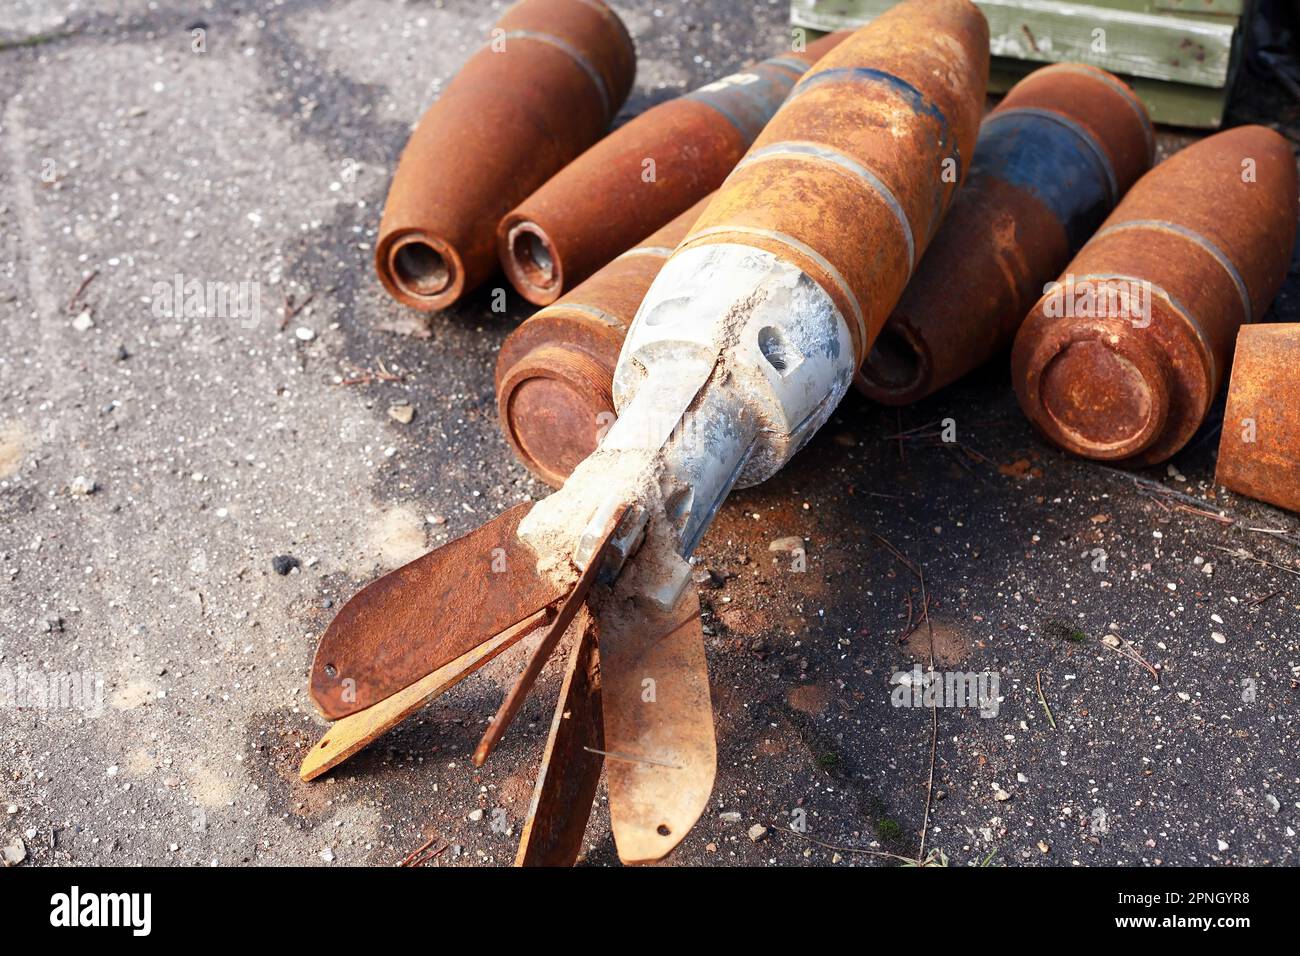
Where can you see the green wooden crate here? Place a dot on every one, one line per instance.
(1180, 56)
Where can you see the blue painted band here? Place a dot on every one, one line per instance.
(1055, 161)
(750, 98)
(790, 63)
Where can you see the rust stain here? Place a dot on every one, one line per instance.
(951, 646)
(809, 698)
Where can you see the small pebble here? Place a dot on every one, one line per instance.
(282, 564)
(13, 853)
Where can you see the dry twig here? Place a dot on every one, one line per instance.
(1043, 700)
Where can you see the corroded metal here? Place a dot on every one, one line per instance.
(352, 733)
(554, 373)
(564, 615)
(1259, 449)
(426, 614)
(544, 88)
(851, 178)
(571, 763)
(1121, 357)
(1051, 162)
(641, 176)
(660, 751)
(744, 343)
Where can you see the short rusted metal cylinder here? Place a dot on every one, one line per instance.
(554, 373)
(1259, 450)
(1121, 358)
(1051, 162)
(641, 176)
(544, 88)
(851, 178)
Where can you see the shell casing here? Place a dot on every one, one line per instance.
(544, 88)
(641, 176)
(1051, 162)
(1259, 449)
(1122, 356)
(555, 372)
(851, 178)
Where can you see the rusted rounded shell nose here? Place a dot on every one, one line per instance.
(530, 259)
(1100, 391)
(554, 403)
(1099, 105)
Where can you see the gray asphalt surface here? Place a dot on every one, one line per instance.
(215, 443)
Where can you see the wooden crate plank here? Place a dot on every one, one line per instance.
(1170, 104)
(1179, 47)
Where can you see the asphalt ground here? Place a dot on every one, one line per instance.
(214, 444)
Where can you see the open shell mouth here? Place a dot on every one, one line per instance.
(532, 262)
(420, 269)
(894, 362)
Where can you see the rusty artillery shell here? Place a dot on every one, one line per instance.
(554, 374)
(1051, 162)
(611, 196)
(543, 89)
(1259, 450)
(879, 133)
(1121, 357)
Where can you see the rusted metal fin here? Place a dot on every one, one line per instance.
(350, 734)
(426, 614)
(515, 698)
(658, 723)
(570, 770)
